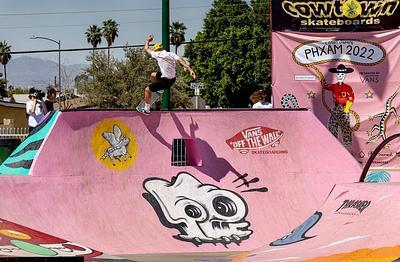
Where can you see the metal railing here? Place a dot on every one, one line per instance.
(14, 132)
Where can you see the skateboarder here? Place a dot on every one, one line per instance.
(164, 78)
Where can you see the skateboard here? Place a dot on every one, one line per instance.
(154, 98)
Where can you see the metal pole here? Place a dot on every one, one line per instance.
(59, 58)
(165, 41)
(59, 69)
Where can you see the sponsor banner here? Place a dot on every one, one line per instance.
(356, 86)
(258, 140)
(335, 15)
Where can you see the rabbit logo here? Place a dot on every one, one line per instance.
(114, 144)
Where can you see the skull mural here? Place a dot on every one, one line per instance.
(202, 213)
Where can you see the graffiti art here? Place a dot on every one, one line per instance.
(202, 213)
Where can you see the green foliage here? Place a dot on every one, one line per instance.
(233, 69)
(121, 84)
(93, 35)
(3, 92)
(17, 90)
(5, 49)
(110, 31)
(177, 34)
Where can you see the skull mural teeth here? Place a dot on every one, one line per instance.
(202, 213)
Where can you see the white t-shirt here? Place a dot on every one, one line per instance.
(262, 105)
(35, 118)
(167, 63)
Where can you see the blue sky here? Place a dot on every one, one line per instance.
(68, 20)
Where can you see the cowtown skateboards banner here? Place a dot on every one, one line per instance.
(351, 81)
(335, 15)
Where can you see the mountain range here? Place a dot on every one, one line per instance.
(26, 71)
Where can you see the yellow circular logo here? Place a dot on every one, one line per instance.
(114, 145)
(351, 8)
(14, 234)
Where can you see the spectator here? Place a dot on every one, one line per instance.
(35, 108)
(262, 103)
(51, 98)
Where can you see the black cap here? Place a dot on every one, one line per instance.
(341, 69)
(32, 90)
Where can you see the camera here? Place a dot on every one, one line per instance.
(40, 94)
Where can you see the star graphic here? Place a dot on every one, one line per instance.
(387, 145)
(369, 94)
(371, 118)
(369, 132)
(311, 94)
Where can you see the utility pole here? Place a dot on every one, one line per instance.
(165, 42)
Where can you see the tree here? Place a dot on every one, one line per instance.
(93, 35)
(237, 64)
(5, 56)
(110, 32)
(120, 84)
(177, 34)
(3, 91)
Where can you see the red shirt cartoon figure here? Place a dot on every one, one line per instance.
(343, 96)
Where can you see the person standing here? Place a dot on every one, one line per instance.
(164, 78)
(262, 103)
(51, 98)
(35, 108)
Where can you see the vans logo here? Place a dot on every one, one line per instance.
(349, 206)
(254, 138)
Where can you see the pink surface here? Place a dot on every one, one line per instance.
(359, 222)
(72, 194)
(373, 81)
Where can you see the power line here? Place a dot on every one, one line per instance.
(122, 23)
(100, 11)
(119, 10)
(125, 46)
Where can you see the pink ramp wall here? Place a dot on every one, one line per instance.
(104, 179)
(358, 222)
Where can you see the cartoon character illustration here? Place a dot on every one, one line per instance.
(20, 248)
(381, 127)
(299, 234)
(20, 241)
(343, 96)
(202, 213)
(119, 144)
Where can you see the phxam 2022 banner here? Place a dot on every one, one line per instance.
(351, 81)
(340, 58)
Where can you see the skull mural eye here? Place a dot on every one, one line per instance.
(224, 206)
(193, 211)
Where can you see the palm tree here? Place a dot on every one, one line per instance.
(93, 35)
(110, 32)
(5, 56)
(177, 34)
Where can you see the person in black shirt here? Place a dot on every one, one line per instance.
(51, 98)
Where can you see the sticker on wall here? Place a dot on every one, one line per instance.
(257, 139)
(114, 145)
(202, 213)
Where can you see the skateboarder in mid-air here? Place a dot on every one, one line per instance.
(164, 78)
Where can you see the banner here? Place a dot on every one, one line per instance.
(351, 81)
(335, 15)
